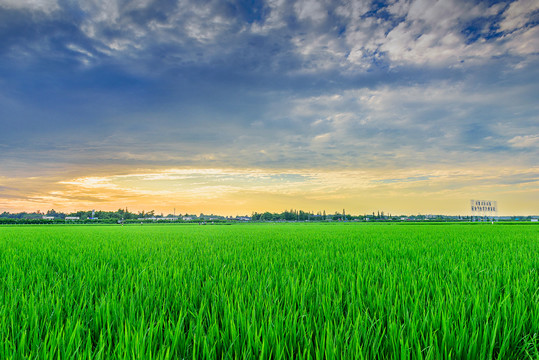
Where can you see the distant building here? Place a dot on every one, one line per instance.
(72, 218)
(48, 217)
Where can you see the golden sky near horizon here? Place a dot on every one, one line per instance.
(242, 191)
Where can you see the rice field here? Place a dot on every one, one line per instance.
(280, 291)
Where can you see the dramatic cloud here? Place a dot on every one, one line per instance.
(98, 89)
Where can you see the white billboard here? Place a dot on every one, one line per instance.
(484, 207)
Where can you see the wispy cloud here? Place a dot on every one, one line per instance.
(525, 142)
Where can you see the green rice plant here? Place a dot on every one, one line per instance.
(260, 291)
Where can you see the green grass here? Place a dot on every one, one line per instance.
(321, 291)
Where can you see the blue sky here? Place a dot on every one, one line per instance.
(413, 105)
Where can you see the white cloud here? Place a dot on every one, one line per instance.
(363, 38)
(443, 121)
(523, 42)
(431, 33)
(353, 9)
(399, 8)
(313, 10)
(518, 14)
(46, 6)
(525, 141)
(277, 10)
(319, 52)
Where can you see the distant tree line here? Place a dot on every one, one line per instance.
(125, 216)
(300, 215)
(90, 216)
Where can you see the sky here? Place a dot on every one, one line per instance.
(230, 107)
